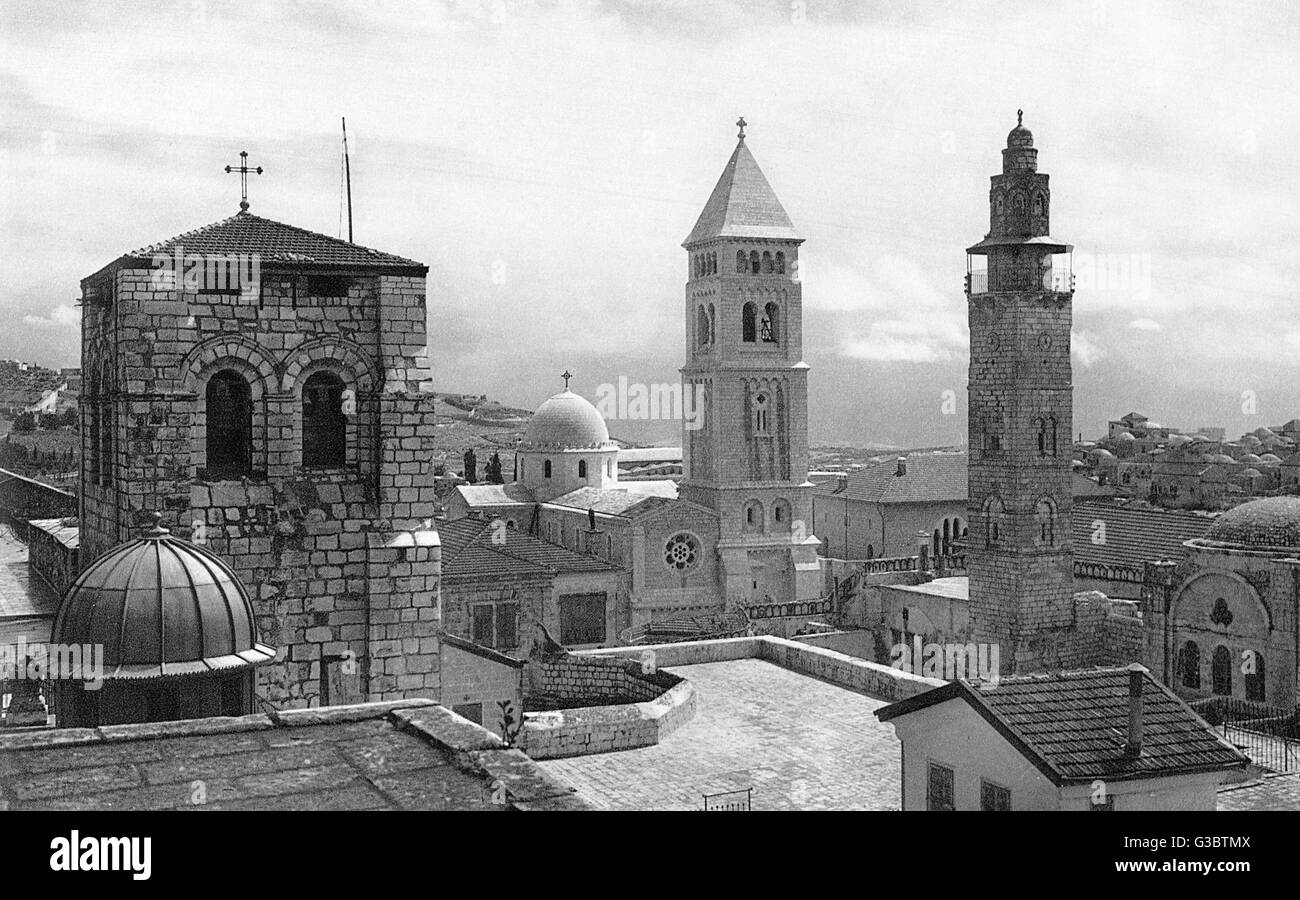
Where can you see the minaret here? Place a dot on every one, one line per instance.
(1019, 557)
(745, 441)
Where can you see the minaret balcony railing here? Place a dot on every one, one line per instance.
(1059, 280)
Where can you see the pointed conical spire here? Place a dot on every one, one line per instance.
(743, 204)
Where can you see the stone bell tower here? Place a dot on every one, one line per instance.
(1020, 560)
(745, 435)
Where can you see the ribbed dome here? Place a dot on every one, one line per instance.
(566, 422)
(1270, 522)
(161, 606)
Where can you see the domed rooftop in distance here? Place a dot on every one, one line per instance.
(566, 421)
(1272, 523)
(161, 607)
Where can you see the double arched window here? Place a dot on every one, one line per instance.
(771, 323)
(228, 402)
(749, 323)
(324, 421)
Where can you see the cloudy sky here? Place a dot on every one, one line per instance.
(547, 159)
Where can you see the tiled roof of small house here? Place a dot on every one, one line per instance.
(927, 478)
(1072, 725)
(473, 547)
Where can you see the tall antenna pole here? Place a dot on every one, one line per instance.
(347, 174)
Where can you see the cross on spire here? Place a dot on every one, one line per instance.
(243, 171)
(566, 376)
(741, 123)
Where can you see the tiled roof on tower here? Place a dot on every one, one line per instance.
(742, 205)
(274, 243)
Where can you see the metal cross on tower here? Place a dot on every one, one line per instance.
(566, 376)
(741, 123)
(243, 171)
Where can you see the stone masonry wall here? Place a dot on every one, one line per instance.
(342, 562)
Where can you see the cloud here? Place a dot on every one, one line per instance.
(62, 316)
(1085, 349)
(1144, 325)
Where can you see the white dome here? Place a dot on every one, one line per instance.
(566, 422)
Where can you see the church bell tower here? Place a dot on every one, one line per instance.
(745, 437)
(1019, 289)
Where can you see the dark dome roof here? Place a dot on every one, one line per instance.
(1273, 522)
(161, 606)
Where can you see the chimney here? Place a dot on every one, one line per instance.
(1137, 675)
(902, 466)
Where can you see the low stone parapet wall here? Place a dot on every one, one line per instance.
(607, 729)
(859, 675)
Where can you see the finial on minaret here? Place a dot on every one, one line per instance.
(1020, 117)
(566, 376)
(243, 171)
(741, 123)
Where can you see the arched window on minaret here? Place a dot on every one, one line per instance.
(1040, 205)
(713, 263)
(582, 469)
(702, 335)
(1041, 427)
(999, 205)
(771, 324)
(994, 511)
(546, 469)
(767, 262)
(229, 418)
(754, 262)
(713, 324)
(780, 263)
(1045, 516)
(749, 323)
(1051, 435)
(740, 262)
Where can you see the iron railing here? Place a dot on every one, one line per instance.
(1061, 280)
(1269, 735)
(729, 801)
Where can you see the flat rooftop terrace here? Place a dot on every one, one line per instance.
(799, 742)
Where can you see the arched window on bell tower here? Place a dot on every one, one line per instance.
(324, 425)
(740, 262)
(771, 325)
(762, 414)
(749, 323)
(994, 525)
(780, 263)
(713, 324)
(702, 336)
(767, 262)
(754, 262)
(229, 416)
